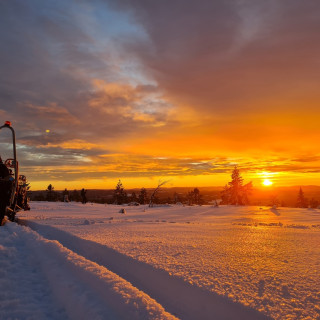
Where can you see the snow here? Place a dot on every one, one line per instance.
(77, 261)
(41, 279)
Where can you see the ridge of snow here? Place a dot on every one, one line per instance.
(80, 288)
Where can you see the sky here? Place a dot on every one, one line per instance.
(143, 91)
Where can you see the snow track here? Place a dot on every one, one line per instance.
(41, 279)
(100, 268)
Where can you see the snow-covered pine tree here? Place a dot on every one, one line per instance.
(235, 192)
(235, 187)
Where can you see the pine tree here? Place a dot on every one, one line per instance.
(176, 197)
(143, 198)
(193, 197)
(190, 197)
(197, 196)
(235, 186)
(301, 200)
(235, 192)
(225, 195)
(314, 203)
(50, 193)
(119, 194)
(245, 192)
(134, 197)
(274, 201)
(75, 196)
(65, 195)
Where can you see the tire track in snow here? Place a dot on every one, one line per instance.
(24, 293)
(82, 288)
(178, 297)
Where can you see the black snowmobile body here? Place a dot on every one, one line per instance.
(13, 187)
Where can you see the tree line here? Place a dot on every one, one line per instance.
(235, 192)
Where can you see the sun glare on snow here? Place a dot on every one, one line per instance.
(267, 182)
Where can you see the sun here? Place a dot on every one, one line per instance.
(267, 182)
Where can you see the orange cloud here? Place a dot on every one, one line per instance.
(140, 91)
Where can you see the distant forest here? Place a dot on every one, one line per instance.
(279, 196)
(235, 192)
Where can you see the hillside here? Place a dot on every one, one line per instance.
(76, 261)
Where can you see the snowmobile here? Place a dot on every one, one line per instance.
(13, 187)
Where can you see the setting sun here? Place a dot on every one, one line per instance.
(267, 182)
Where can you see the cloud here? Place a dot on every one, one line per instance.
(225, 57)
(83, 166)
(160, 79)
(139, 104)
(55, 56)
(52, 113)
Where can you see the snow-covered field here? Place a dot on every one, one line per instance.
(77, 261)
